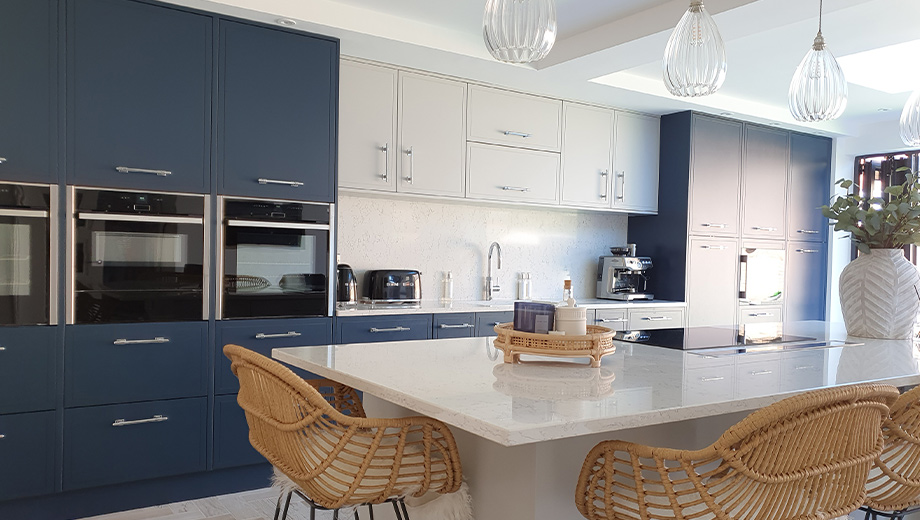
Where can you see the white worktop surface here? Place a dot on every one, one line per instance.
(464, 383)
(434, 306)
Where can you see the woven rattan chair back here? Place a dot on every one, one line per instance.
(339, 460)
(805, 457)
(894, 480)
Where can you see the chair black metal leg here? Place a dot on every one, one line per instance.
(357, 517)
(312, 512)
(287, 503)
(370, 511)
(396, 509)
(278, 506)
(402, 504)
(335, 515)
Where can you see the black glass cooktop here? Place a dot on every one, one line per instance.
(711, 337)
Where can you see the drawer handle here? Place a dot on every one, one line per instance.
(293, 184)
(759, 228)
(656, 318)
(759, 314)
(709, 224)
(715, 248)
(804, 367)
(158, 339)
(154, 419)
(808, 231)
(709, 379)
(609, 320)
(515, 188)
(158, 173)
(2, 160)
(289, 334)
(2, 349)
(2, 436)
(761, 372)
(807, 251)
(392, 329)
(519, 134)
(460, 326)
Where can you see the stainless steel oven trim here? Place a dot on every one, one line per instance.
(221, 241)
(157, 219)
(206, 264)
(278, 225)
(24, 213)
(262, 199)
(54, 233)
(333, 265)
(71, 260)
(129, 190)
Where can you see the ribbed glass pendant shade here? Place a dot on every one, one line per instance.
(818, 91)
(910, 120)
(694, 60)
(519, 31)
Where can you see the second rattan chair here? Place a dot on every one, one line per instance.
(804, 458)
(335, 460)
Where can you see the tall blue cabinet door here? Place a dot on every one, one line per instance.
(806, 281)
(139, 98)
(277, 113)
(809, 187)
(28, 61)
(28, 369)
(27, 447)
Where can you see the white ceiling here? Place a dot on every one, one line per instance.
(609, 51)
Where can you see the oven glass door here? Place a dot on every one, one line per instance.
(762, 275)
(139, 269)
(274, 270)
(24, 268)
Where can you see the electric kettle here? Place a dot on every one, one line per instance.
(346, 284)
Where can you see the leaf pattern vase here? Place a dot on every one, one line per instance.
(880, 295)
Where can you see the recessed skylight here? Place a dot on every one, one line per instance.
(888, 69)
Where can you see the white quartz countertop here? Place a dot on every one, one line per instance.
(433, 306)
(464, 382)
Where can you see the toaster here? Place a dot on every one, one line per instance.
(393, 285)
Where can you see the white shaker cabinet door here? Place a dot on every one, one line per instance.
(715, 179)
(511, 174)
(712, 281)
(635, 171)
(367, 127)
(432, 145)
(587, 140)
(501, 117)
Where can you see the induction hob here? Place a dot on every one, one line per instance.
(692, 338)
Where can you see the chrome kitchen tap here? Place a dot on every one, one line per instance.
(491, 286)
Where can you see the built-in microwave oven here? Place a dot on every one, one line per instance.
(762, 273)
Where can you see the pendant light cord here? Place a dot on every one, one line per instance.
(820, 13)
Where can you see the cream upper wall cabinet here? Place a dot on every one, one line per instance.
(509, 118)
(432, 144)
(512, 174)
(635, 170)
(587, 142)
(367, 127)
(715, 176)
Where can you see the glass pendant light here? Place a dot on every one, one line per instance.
(910, 120)
(694, 59)
(519, 31)
(818, 91)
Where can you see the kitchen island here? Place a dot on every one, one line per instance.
(523, 430)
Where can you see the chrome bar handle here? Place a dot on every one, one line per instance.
(289, 334)
(606, 175)
(293, 184)
(393, 329)
(2, 436)
(622, 177)
(518, 134)
(515, 188)
(411, 165)
(158, 173)
(2, 160)
(386, 162)
(460, 326)
(761, 372)
(715, 248)
(123, 341)
(656, 318)
(717, 226)
(807, 250)
(610, 320)
(154, 419)
(760, 228)
(760, 314)
(2, 349)
(708, 379)
(807, 231)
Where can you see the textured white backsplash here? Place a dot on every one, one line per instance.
(434, 237)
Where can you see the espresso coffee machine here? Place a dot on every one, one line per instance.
(621, 276)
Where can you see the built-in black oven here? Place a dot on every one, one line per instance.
(276, 259)
(136, 257)
(28, 261)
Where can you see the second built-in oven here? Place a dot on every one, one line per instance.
(136, 257)
(762, 273)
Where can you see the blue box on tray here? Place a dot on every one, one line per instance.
(534, 316)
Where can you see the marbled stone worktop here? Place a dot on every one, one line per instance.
(434, 306)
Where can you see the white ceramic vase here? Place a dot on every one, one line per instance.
(880, 295)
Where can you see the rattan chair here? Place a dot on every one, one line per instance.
(893, 488)
(333, 460)
(805, 457)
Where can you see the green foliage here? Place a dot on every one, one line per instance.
(874, 223)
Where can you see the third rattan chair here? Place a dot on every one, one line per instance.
(333, 460)
(893, 489)
(804, 458)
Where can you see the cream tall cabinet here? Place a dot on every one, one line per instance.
(635, 173)
(367, 126)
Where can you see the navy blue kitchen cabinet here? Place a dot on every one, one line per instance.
(373, 329)
(486, 322)
(277, 94)
(806, 265)
(122, 363)
(139, 96)
(809, 187)
(29, 90)
(125, 442)
(231, 435)
(28, 368)
(454, 325)
(26, 449)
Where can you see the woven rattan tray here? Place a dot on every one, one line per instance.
(597, 343)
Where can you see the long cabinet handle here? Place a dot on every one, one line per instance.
(293, 184)
(761, 228)
(2, 436)
(128, 169)
(392, 329)
(140, 217)
(714, 225)
(411, 155)
(715, 248)
(26, 213)
(515, 188)
(2, 160)
(2, 349)
(760, 314)
(123, 341)
(459, 326)
(621, 192)
(761, 372)
(808, 231)
(386, 162)
(656, 318)
(525, 135)
(155, 419)
(807, 250)
(606, 175)
(289, 334)
(708, 379)
(610, 320)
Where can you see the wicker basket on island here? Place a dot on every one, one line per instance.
(597, 343)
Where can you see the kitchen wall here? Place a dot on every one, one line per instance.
(434, 237)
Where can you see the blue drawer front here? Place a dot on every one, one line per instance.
(27, 454)
(372, 329)
(459, 325)
(97, 453)
(99, 371)
(486, 321)
(262, 336)
(28, 365)
(231, 435)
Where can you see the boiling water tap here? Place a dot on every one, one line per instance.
(492, 286)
